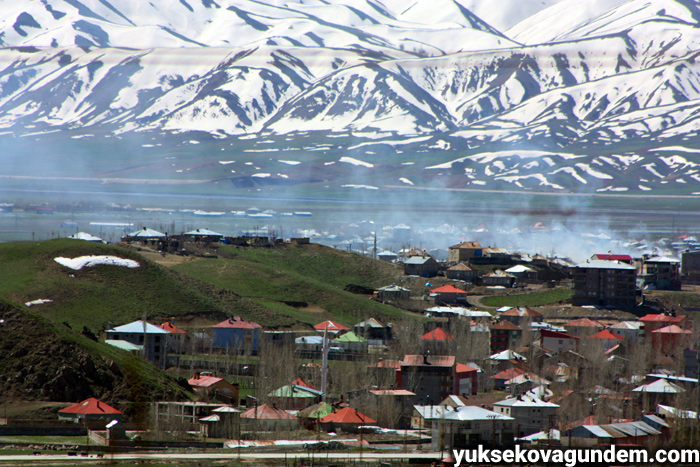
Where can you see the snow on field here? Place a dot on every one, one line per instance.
(593, 173)
(406, 181)
(226, 162)
(488, 157)
(571, 171)
(417, 139)
(261, 175)
(676, 148)
(366, 187)
(353, 161)
(89, 261)
(289, 162)
(652, 169)
(612, 188)
(674, 161)
(39, 301)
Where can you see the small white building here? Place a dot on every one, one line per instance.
(470, 426)
(531, 414)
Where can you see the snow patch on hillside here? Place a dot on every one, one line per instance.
(90, 261)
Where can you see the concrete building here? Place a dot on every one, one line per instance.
(659, 273)
(425, 266)
(558, 342)
(504, 335)
(463, 252)
(237, 335)
(470, 426)
(604, 283)
(434, 377)
(531, 414)
(153, 339)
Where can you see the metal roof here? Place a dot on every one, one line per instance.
(124, 345)
(604, 264)
(597, 431)
(660, 386)
(204, 232)
(474, 413)
(524, 402)
(418, 260)
(138, 327)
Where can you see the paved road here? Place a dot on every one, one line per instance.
(170, 456)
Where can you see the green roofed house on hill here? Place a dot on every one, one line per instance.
(351, 342)
(294, 397)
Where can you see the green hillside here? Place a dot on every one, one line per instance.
(50, 361)
(252, 283)
(99, 295)
(312, 274)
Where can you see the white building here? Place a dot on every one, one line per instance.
(531, 414)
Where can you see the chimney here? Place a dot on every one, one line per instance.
(196, 375)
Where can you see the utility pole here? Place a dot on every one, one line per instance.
(374, 251)
(324, 365)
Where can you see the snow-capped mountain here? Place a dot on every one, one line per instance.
(570, 95)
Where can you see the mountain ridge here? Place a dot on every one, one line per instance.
(603, 77)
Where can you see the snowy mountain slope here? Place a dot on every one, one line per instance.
(605, 80)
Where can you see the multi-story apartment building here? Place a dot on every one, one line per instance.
(604, 283)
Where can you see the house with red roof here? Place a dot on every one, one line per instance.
(521, 315)
(177, 340)
(331, 327)
(237, 334)
(91, 411)
(212, 387)
(266, 417)
(583, 327)
(346, 419)
(467, 379)
(504, 335)
(499, 379)
(627, 259)
(434, 377)
(449, 294)
(438, 342)
(385, 373)
(557, 342)
(652, 322)
(671, 337)
(606, 338)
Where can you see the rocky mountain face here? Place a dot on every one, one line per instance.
(557, 95)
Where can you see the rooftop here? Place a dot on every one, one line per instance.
(237, 323)
(140, 327)
(90, 406)
(429, 360)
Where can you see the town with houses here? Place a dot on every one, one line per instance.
(607, 364)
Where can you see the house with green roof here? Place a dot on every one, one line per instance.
(351, 342)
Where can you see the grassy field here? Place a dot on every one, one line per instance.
(312, 274)
(99, 295)
(533, 299)
(252, 283)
